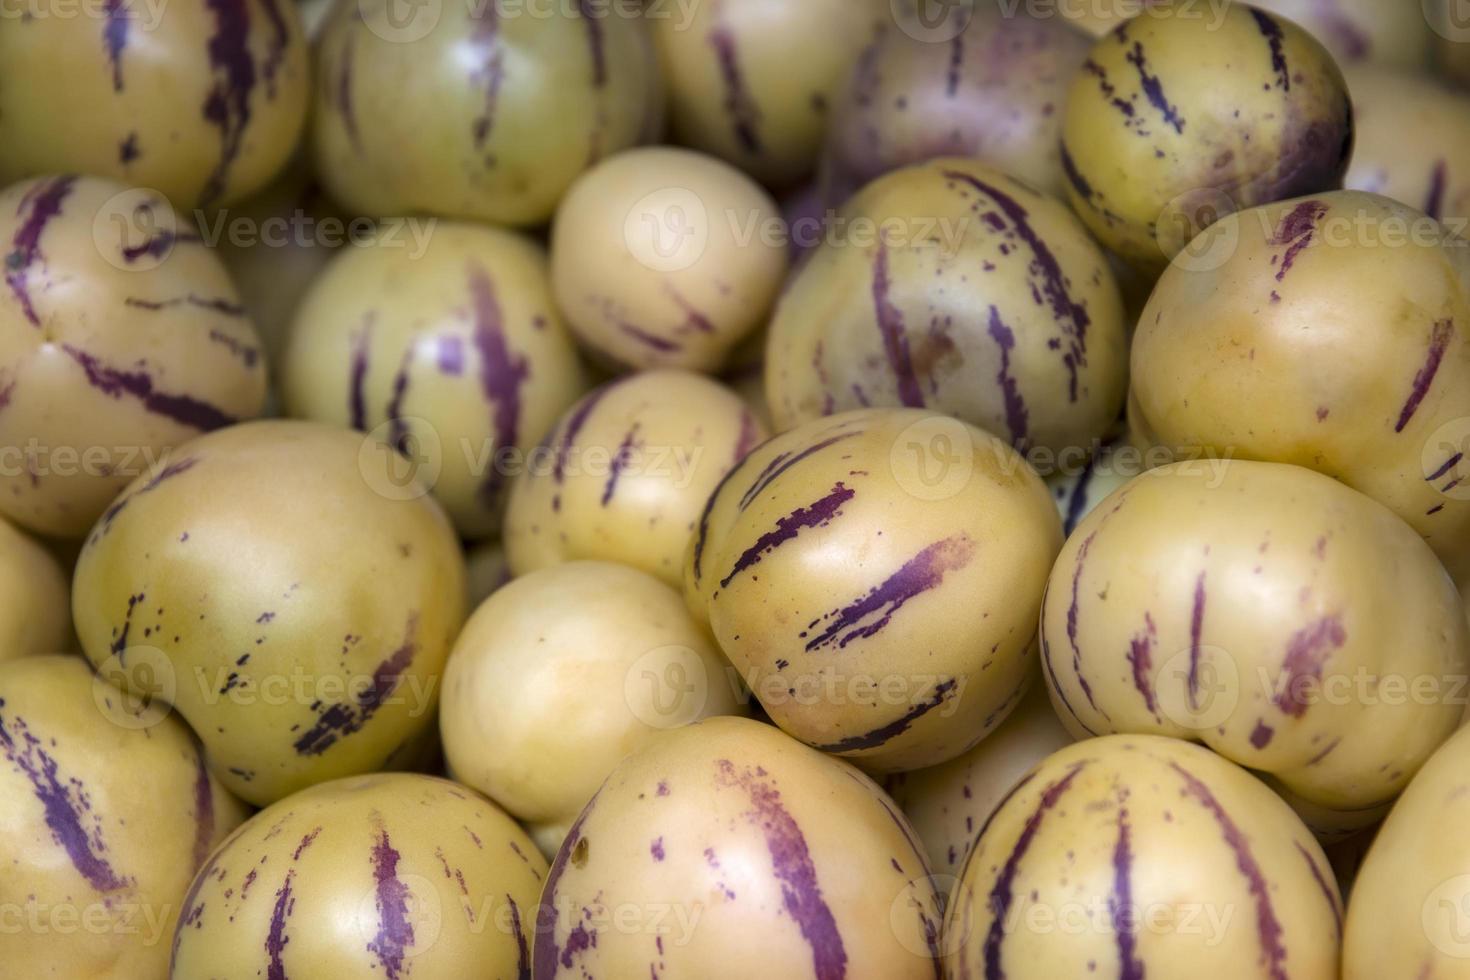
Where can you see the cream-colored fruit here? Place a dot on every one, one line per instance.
(106, 810)
(662, 257)
(1405, 916)
(1328, 332)
(121, 336)
(1139, 856)
(363, 878)
(956, 288)
(948, 804)
(484, 111)
(1413, 142)
(450, 352)
(876, 577)
(291, 603)
(1179, 118)
(1286, 621)
(35, 598)
(200, 100)
(727, 831)
(751, 82)
(626, 472)
(994, 91)
(563, 673)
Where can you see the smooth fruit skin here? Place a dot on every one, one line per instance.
(35, 597)
(121, 336)
(200, 100)
(106, 811)
(1176, 120)
(449, 351)
(952, 287)
(365, 877)
(484, 111)
(726, 832)
(994, 92)
(625, 473)
(1288, 622)
(875, 577)
(1413, 140)
(565, 672)
(1139, 856)
(1327, 332)
(1405, 915)
(752, 82)
(294, 606)
(662, 257)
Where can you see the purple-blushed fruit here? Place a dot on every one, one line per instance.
(624, 474)
(121, 336)
(724, 831)
(1139, 856)
(994, 91)
(106, 811)
(753, 83)
(202, 100)
(484, 111)
(447, 349)
(1327, 332)
(1288, 622)
(563, 673)
(1177, 119)
(875, 578)
(952, 287)
(289, 600)
(363, 878)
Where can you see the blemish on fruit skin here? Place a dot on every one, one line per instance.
(1438, 177)
(886, 733)
(1261, 735)
(1268, 927)
(792, 865)
(1439, 340)
(1296, 232)
(893, 333)
(1275, 39)
(344, 101)
(115, 37)
(276, 939)
(127, 150)
(523, 955)
(619, 462)
(657, 848)
(1153, 88)
(868, 615)
(44, 201)
(1328, 892)
(546, 953)
(744, 116)
(1306, 653)
(1017, 418)
(1120, 905)
(819, 513)
(65, 802)
(782, 462)
(501, 373)
(395, 935)
(1002, 892)
(227, 106)
(342, 719)
(193, 413)
(109, 516)
(489, 74)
